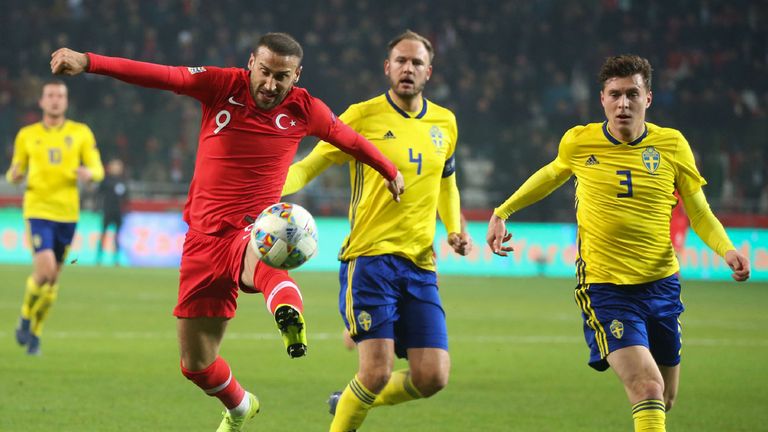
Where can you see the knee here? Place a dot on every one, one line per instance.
(374, 379)
(430, 382)
(45, 274)
(647, 388)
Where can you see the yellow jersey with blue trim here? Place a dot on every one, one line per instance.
(422, 145)
(624, 200)
(50, 158)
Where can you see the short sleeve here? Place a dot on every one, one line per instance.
(687, 178)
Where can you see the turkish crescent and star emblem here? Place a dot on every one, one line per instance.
(282, 121)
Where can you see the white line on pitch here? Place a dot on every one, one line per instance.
(510, 339)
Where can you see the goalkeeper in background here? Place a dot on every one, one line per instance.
(53, 155)
(389, 298)
(628, 291)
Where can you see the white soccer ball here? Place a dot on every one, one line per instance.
(284, 236)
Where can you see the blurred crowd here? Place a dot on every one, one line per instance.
(516, 73)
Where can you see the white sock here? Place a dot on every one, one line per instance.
(243, 407)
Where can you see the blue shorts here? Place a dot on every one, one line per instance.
(389, 297)
(46, 234)
(618, 316)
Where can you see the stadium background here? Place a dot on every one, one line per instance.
(517, 74)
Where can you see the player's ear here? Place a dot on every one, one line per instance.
(429, 72)
(649, 99)
(386, 66)
(298, 74)
(251, 62)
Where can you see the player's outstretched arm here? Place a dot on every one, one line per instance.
(497, 235)
(711, 231)
(304, 171)
(65, 61)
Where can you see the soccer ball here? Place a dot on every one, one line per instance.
(284, 236)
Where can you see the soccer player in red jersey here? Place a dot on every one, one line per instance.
(678, 226)
(252, 123)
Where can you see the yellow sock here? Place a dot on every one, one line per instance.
(353, 406)
(650, 416)
(42, 307)
(31, 294)
(399, 389)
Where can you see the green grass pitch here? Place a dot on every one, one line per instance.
(110, 360)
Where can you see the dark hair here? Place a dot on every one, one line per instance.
(626, 65)
(282, 44)
(411, 35)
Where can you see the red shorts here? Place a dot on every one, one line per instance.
(209, 275)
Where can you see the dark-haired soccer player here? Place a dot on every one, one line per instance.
(626, 173)
(389, 298)
(252, 122)
(53, 154)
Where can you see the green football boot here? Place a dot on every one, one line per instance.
(292, 329)
(233, 423)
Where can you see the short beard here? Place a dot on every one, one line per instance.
(407, 95)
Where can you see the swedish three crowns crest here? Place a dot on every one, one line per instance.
(437, 136)
(651, 159)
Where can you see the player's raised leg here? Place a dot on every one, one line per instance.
(199, 342)
(283, 300)
(643, 382)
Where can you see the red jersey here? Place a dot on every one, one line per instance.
(678, 225)
(243, 151)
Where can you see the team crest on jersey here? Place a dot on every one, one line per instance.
(617, 329)
(364, 319)
(437, 136)
(651, 159)
(68, 140)
(196, 70)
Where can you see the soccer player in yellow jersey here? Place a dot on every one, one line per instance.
(626, 173)
(388, 298)
(53, 155)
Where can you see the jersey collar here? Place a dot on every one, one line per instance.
(617, 142)
(402, 112)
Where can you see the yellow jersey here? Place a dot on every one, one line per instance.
(50, 157)
(422, 145)
(624, 200)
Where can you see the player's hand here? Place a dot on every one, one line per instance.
(14, 174)
(64, 61)
(396, 186)
(84, 174)
(497, 235)
(460, 242)
(739, 264)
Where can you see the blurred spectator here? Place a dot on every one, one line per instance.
(113, 193)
